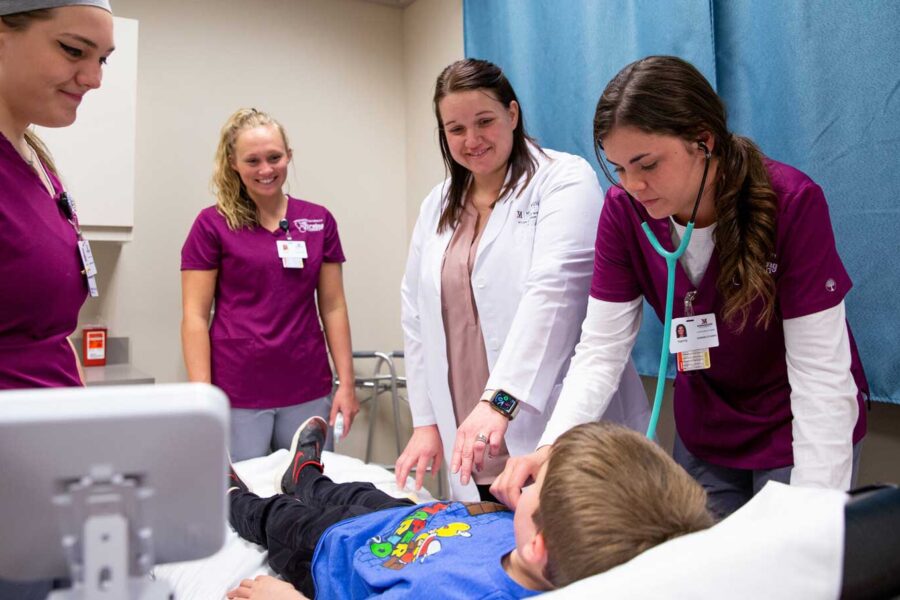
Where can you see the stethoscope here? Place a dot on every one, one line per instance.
(671, 259)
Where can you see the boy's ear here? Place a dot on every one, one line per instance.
(535, 551)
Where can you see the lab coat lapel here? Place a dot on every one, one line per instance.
(497, 220)
(496, 223)
(437, 249)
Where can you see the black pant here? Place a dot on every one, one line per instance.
(290, 526)
(29, 590)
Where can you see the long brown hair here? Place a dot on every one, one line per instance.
(474, 74)
(608, 495)
(20, 22)
(232, 200)
(667, 95)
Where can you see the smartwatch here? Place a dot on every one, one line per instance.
(503, 402)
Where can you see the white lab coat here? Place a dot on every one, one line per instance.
(531, 280)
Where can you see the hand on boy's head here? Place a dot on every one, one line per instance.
(265, 587)
(519, 472)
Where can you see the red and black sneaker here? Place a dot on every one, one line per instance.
(235, 482)
(306, 451)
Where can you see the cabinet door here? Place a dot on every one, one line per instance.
(95, 155)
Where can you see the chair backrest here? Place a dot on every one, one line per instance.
(872, 544)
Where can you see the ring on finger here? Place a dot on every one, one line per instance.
(481, 438)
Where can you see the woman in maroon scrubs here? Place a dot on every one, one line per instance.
(51, 53)
(780, 396)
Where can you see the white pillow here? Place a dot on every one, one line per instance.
(787, 542)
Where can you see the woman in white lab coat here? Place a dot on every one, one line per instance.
(496, 282)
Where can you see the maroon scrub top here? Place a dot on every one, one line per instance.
(41, 284)
(737, 413)
(266, 342)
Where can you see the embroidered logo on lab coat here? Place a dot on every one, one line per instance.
(529, 215)
(304, 225)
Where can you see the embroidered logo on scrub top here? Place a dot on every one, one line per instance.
(830, 285)
(772, 264)
(304, 225)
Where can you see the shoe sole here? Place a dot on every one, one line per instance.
(292, 451)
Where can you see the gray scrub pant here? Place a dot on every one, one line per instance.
(729, 489)
(257, 432)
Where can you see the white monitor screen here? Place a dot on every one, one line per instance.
(169, 439)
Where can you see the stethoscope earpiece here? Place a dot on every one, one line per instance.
(705, 149)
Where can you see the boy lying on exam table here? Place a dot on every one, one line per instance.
(608, 494)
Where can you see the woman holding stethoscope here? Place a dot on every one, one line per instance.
(769, 383)
(496, 282)
(51, 53)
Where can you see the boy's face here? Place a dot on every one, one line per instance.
(523, 523)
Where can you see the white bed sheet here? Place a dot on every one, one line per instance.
(210, 578)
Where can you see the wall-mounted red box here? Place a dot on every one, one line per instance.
(93, 346)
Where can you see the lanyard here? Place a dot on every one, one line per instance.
(67, 206)
(63, 199)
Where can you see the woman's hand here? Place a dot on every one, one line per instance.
(423, 448)
(468, 451)
(507, 488)
(346, 403)
(265, 587)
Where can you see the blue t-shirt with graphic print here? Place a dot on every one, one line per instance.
(431, 551)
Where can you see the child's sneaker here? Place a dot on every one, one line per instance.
(235, 482)
(306, 450)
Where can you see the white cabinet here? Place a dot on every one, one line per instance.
(95, 155)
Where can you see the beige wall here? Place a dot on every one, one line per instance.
(432, 39)
(333, 72)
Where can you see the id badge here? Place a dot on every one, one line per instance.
(92, 287)
(87, 258)
(691, 338)
(291, 262)
(291, 249)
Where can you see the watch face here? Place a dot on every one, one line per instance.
(504, 402)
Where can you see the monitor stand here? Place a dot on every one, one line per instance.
(107, 543)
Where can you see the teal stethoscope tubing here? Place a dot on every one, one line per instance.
(671, 259)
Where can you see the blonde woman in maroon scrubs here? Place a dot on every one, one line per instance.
(272, 263)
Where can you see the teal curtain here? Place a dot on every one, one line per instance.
(815, 83)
